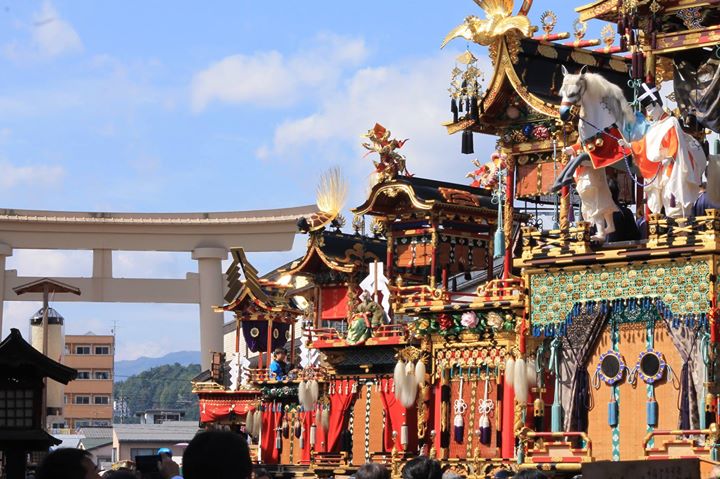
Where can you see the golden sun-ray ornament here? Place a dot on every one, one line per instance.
(331, 195)
(498, 22)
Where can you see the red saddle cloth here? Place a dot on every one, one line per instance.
(603, 148)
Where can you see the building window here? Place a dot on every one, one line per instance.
(101, 375)
(82, 400)
(65, 399)
(139, 451)
(101, 424)
(16, 408)
(102, 350)
(83, 375)
(102, 399)
(82, 349)
(82, 423)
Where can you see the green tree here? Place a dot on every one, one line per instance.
(166, 386)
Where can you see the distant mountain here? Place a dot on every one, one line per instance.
(124, 369)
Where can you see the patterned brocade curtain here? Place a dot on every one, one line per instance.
(578, 343)
(685, 339)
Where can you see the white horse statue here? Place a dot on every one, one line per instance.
(671, 160)
(604, 112)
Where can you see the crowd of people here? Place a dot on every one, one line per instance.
(225, 455)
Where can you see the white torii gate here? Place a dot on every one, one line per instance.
(207, 236)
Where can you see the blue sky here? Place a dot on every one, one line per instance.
(232, 105)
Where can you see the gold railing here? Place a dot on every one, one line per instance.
(574, 240)
(702, 230)
(683, 445)
(555, 448)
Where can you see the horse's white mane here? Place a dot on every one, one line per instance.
(600, 88)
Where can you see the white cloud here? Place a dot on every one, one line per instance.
(408, 97)
(273, 79)
(33, 262)
(50, 36)
(152, 264)
(12, 176)
(53, 35)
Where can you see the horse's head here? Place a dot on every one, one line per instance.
(572, 90)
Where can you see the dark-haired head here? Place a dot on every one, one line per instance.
(372, 471)
(66, 463)
(261, 473)
(422, 468)
(217, 454)
(120, 474)
(532, 474)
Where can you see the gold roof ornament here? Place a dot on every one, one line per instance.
(608, 35)
(579, 29)
(548, 20)
(499, 22)
(330, 200)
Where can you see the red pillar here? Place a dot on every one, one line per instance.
(508, 420)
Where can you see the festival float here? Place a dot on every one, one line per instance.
(557, 312)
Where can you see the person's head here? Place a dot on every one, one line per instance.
(261, 473)
(422, 468)
(503, 474)
(372, 471)
(651, 101)
(450, 474)
(66, 463)
(120, 474)
(531, 474)
(280, 354)
(614, 189)
(217, 454)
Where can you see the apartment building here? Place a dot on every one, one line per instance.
(88, 399)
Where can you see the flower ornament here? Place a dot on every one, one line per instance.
(541, 132)
(469, 320)
(446, 322)
(495, 320)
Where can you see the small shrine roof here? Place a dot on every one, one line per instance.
(16, 353)
(339, 251)
(425, 194)
(253, 298)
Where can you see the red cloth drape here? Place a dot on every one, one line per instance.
(341, 396)
(308, 419)
(214, 409)
(396, 415)
(271, 420)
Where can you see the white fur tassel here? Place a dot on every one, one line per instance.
(531, 373)
(420, 373)
(509, 370)
(257, 424)
(399, 373)
(399, 379)
(302, 395)
(314, 392)
(407, 398)
(325, 419)
(250, 423)
(520, 383)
